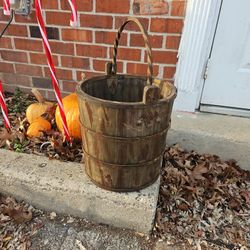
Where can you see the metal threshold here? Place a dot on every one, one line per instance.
(225, 110)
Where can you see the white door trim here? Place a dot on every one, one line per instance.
(195, 47)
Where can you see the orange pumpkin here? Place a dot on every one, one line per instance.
(36, 110)
(37, 127)
(71, 108)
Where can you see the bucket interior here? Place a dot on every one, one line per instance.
(124, 88)
(128, 89)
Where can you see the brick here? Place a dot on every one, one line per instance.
(100, 65)
(82, 5)
(3, 17)
(69, 86)
(52, 33)
(178, 8)
(137, 40)
(96, 21)
(58, 18)
(169, 72)
(109, 37)
(5, 43)
(44, 83)
(75, 62)
(31, 18)
(62, 48)
(91, 50)
(88, 74)
(15, 30)
(113, 6)
(127, 54)
(28, 91)
(14, 56)
(16, 79)
(173, 42)
(6, 67)
(62, 74)
(168, 25)
(48, 4)
(131, 26)
(9, 88)
(50, 95)
(150, 7)
(77, 35)
(141, 69)
(166, 57)
(30, 70)
(28, 44)
(40, 58)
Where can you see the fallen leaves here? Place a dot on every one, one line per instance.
(198, 171)
(80, 245)
(52, 215)
(15, 211)
(51, 143)
(15, 232)
(203, 201)
(246, 196)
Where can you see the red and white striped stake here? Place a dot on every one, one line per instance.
(74, 15)
(6, 7)
(51, 67)
(4, 108)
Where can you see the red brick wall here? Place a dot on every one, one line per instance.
(86, 49)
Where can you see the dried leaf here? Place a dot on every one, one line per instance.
(15, 211)
(80, 245)
(183, 206)
(198, 171)
(18, 214)
(234, 204)
(52, 215)
(246, 196)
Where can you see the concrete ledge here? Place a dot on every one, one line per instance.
(226, 136)
(64, 188)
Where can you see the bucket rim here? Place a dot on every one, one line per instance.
(83, 94)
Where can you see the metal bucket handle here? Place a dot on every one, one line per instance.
(147, 45)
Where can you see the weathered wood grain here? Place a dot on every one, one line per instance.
(123, 138)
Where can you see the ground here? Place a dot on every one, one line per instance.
(204, 202)
(51, 231)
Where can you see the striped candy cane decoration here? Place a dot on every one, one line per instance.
(4, 108)
(6, 7)
(51, 67)
(74, 15)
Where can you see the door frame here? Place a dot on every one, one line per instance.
(195, 49)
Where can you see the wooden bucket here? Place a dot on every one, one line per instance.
(124, 122)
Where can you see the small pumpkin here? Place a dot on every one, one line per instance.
(37, 127)
(71, 108)
(36, 110)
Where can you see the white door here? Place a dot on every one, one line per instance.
(227, 86)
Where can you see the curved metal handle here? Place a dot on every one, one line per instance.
(147, 45)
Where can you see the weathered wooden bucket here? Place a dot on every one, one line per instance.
(124, 123)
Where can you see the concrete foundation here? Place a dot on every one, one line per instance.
(64, 188)
(226, 136)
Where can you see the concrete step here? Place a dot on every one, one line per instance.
(223, 135)
(64, 188)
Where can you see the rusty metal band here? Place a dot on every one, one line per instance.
(141, 164)
(126, 138)
(147, 45)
